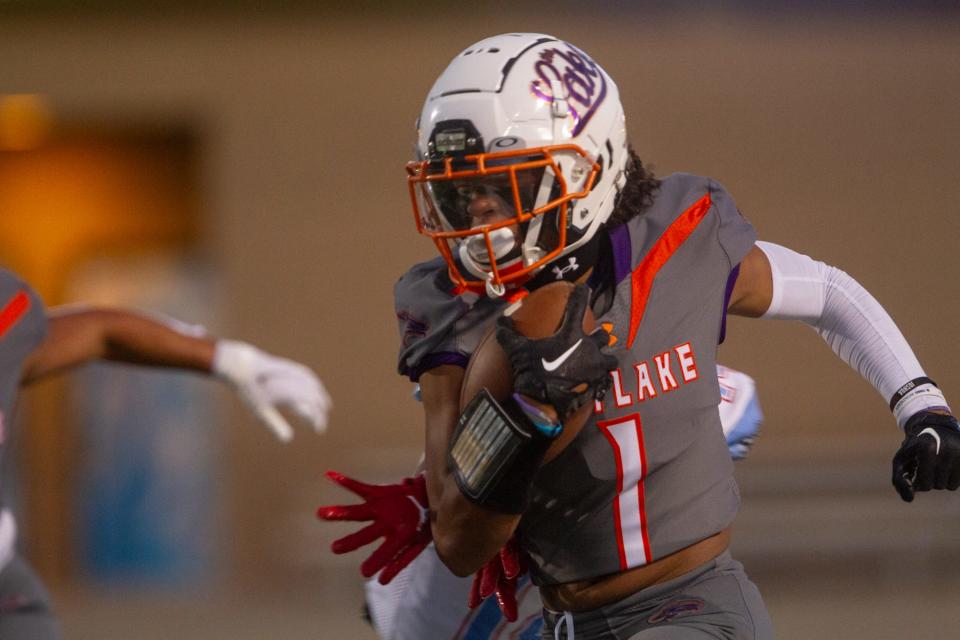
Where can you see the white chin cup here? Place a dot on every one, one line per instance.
(502, 240)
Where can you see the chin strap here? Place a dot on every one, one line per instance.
(569, 267)
(494, 290)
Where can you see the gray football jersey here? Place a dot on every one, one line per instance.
(23, 325)
(650, 472)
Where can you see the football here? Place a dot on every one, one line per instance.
(536, 316)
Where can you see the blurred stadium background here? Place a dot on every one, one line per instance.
(240, 165)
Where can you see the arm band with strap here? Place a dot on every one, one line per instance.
(855, 326)
(495, 454)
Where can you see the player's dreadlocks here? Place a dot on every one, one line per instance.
(637, 194)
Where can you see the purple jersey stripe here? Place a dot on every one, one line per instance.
(433, 360)
(622, 255)
(731, 281)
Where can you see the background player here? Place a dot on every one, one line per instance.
(35, 343)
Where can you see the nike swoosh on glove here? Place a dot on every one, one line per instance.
(565, 370)
(929, 457)
(398, 513)
(499, 578)
(266, 382)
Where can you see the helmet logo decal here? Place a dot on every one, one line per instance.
(584, 81)
(570, 266)
(506, 142)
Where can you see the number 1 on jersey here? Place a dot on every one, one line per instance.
(626, 438)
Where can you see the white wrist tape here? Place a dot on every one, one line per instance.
(852, 322)
(916, 395)
(234, 361)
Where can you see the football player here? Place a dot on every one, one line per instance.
(524, 175)
(36, 343)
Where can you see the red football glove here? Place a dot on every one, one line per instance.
(399, 515)
(499, 577)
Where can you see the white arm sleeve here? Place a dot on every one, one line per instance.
(853, 323)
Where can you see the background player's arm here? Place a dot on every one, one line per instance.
(466, 535)
(79, 335)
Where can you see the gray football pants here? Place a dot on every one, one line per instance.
(25, 612)
(714, 601)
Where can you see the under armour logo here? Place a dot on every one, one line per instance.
(572, 266)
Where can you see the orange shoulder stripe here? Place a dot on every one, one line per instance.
(645, 273)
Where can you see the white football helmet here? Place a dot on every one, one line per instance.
(522, 148)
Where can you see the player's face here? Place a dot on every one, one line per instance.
(489, 202)
(482, 200)
(486, 205)
(499, 215)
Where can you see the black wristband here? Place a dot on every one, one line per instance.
(907, 388)
(495, 454)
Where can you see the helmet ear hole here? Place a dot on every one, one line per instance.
(599, 178)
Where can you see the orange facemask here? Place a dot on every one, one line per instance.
(497, 218)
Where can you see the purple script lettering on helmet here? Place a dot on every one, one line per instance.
(585, 84)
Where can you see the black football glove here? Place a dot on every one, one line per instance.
(565, 370)
(929, 457)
